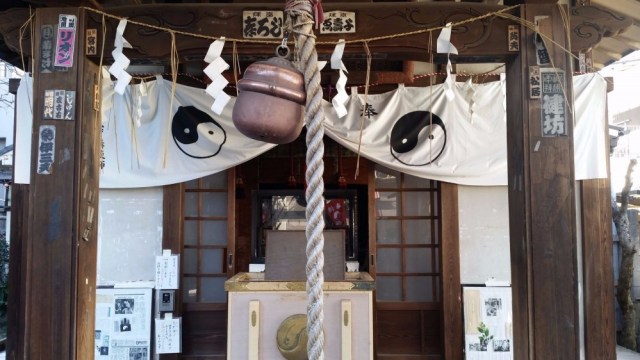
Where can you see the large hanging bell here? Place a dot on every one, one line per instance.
(271, 99)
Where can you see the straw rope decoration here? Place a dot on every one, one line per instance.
(23, 28)
(235, 63)
(366, 102)
(175, 59)
(503, 13)
(431, 81)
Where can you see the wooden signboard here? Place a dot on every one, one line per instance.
(286, 255)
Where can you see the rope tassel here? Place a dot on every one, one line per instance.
(300, 13)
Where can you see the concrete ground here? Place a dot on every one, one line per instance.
(623, 354)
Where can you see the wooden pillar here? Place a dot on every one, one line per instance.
(20, 214)
(172, 229)
(541, 204)
(60, 250)
(452, 328)
(16, 297)
(597, 249)
(597, 264)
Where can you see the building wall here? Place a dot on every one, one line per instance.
(6, 103)
(484, 234)
(129, 234)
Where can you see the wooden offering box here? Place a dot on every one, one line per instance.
(258, 308)
(286, 257)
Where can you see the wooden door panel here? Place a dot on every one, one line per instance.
(408, 332)
(407, 357)
(404, 224)
(207, 205)
(204, 333)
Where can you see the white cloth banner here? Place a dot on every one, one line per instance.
(590, 151)
(198, 142)
(418, 132)
(24, 126)
(466, 147)
(412, 130)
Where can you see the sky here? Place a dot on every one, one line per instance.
(626, 74)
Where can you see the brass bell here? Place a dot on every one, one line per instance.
(271, 100)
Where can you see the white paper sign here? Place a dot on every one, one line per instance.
(488, 323)
(167, 267)
(123, 324)
(168, 335)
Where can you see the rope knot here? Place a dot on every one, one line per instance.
(311, 7)
(318, 13)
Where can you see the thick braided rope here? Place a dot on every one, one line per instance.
(314, 115)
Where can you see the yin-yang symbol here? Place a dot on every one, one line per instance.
(196, 133)
(418, 138)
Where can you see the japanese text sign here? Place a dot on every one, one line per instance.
(262, 24)
(553, 107)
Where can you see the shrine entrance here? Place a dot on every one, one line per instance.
(419, 300)
(394, 232)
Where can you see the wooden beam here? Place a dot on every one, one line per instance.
(631, 36)
(591, 23)
(630, 8)
(478, 41)
(542, 219)
(615, 46)
(373, 20)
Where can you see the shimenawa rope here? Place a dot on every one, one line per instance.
(300, 14)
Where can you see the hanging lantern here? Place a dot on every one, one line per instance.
(271, 99)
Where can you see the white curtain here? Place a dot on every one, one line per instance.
(413, 130)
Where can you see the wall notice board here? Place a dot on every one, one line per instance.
(123, 324)
(488, 323)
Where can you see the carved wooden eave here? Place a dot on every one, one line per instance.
(373, 20)
(478, 41)
(590, 24)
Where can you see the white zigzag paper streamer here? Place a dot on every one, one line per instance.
(341, 97)
(449, 83)
(444, 41)
(214, 71)
(121, 62)
(469, 92)
(444, 45)
(138, 93)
